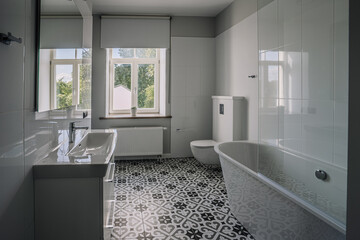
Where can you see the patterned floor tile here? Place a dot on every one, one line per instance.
(172, 198)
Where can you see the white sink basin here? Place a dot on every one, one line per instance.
(94, 143)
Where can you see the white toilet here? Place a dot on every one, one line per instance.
(229, 124)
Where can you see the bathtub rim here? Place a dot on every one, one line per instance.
(242, 166)
(280, 189)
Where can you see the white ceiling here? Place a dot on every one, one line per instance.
(209, 8)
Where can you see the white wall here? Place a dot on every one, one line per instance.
(192, 85)
(25, 137)
(13, 224)
(303, 77)
(308, 83)
(236, 59)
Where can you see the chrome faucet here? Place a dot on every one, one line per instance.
(72, 129)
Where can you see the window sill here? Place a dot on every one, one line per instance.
(138, 116)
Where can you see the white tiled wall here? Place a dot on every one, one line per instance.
(12, 212)
(317, 49)
(303, 70)
(267, 27)
(236, 59)
(192, 85)
(24, 138)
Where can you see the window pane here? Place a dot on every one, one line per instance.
(64, 53)
(146, 81)
(64, 82)
(146, 52)
(83, 53)
(122, 87)
(84, 86)
(123, 53)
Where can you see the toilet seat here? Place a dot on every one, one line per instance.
(203, 143)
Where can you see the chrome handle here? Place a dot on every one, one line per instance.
(110, 173)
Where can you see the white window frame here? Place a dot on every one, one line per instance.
(134, 62)
(75, 77)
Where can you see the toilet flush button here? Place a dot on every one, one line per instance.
(222, 109)
(320, 174)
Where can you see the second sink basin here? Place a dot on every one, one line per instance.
(94, 143)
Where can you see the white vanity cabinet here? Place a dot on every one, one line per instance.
(74, 202)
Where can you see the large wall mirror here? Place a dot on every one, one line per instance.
(64, 64)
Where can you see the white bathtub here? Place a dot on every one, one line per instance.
(266, 209)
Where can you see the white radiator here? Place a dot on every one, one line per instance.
(139, 141)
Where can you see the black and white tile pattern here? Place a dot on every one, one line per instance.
(177, 198)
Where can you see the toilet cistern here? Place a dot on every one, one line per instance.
(229, 118)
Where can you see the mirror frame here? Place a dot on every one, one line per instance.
(37, 54)
(37, 62)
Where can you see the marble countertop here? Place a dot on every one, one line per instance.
(57, 164)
